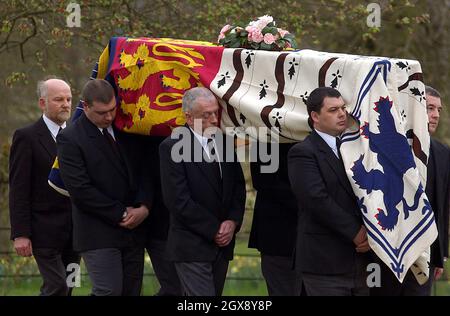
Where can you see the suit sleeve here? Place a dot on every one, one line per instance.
(77, 181)
(447, 208)
(138, 152)
(20, 173)
(309, 188)
(145, 194)
(177, 198)
(237, 209)
(277, 182)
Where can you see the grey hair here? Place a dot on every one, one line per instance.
(432, 91)
(42, 88)
(192, 95)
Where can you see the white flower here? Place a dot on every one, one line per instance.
(261, 22)
(265, 19)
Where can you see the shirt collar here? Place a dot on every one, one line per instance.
(52, 126)
(110, 131)
(202, 139)
(330, 140)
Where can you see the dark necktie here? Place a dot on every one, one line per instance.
(59, 131)
(214, 159)
(211, 149)
(338, 147)
(112, 143)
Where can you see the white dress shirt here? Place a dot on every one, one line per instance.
(110, 131)
(52, 126)
(204, 142)
(330, 140)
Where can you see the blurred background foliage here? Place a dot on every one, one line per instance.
(35, 41)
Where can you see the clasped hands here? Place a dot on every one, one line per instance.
(225, 234)
(135, 216)
(361, 241)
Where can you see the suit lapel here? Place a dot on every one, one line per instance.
(46, 139)
(124, 157)
(205, 168)
(439, 164)
(334, 162)
(227, 168)
(100, 142)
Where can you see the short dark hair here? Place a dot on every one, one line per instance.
(432, 91)
(97, 90)
(315, 100)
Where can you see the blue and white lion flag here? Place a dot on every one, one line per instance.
(385, 151)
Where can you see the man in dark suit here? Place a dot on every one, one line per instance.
(204, 189)
(108, 202)
(274, 224)
(157, 222)
(438, 192)
(332, 240)
(41, 219)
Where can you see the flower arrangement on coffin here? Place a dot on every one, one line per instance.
(260, 34)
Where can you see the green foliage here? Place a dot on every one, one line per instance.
(4, 222)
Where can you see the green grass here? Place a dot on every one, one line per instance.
(243, 279)
(244, 276)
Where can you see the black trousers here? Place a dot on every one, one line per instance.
(115, 272)
(54, 267)
(351, 284)
(281, 278)
(203, 278)
(165, 270)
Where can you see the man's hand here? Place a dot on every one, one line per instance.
(225, 233)
(135, 216)
(361, 241)
(23, 246)
(438, 273)
(363, 247)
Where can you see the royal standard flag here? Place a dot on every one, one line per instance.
(385, 150)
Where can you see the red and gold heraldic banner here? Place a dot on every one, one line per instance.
(150, 76)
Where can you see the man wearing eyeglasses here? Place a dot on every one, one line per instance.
(204, 189)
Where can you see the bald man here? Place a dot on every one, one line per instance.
(41, 220)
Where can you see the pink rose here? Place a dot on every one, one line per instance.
(282, 32)
(254, 34)
(264, 20)
(225, 29)
(287, 45)
(250, 28)
(269, 38)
